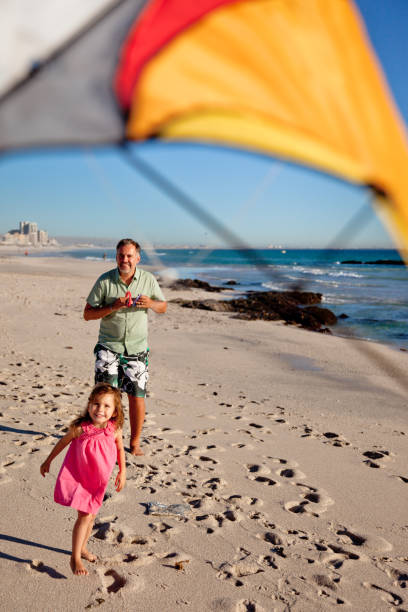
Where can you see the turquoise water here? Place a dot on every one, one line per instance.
(374, 297)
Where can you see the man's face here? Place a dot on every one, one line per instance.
(127, 259)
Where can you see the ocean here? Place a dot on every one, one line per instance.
(374, 297)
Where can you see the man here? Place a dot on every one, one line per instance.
(122, 352)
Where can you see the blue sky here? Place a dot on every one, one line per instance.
(94, 193)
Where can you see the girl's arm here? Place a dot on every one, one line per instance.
(60, 445)
(121, 477)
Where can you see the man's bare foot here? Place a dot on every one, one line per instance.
(136, 450)
(78, 568)
(85, 554)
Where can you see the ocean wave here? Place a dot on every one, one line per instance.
(325, 272)
(327, 299)
(313, 271)
(326, 282)
(272, 286)
(342, 273)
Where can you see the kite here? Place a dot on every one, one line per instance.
(294, 79)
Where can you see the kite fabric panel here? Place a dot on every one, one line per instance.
(70, 99)
(295, 79)
(160, 22)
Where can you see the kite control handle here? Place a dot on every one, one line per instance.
(131, 301)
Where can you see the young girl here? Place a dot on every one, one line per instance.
(95, 440)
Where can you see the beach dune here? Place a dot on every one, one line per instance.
(286, 448)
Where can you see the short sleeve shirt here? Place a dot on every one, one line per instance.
(125, 330)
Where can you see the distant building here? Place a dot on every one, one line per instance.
(26, 227)
(42, 237)
(28, 234)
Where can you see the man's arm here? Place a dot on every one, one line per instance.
(92, 313)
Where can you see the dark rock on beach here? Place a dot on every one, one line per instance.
(190, 283)
(377, 262)
(294, 307)
(323, 315)
(386, 262)
(352, 261)
(215, 305)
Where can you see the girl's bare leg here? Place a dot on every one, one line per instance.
(85, 554)
(78, 539)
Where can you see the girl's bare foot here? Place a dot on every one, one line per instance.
(85, 554)
(78, 568)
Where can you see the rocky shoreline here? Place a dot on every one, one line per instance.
(293, 307)
(376, 262)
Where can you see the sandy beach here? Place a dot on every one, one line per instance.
(289, 448)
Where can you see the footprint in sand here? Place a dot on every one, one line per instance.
(224, 604)
(277, 542)
(213, 522)
(365, 542)
(239, 501)
(374, 456)
(328, 437)
(387, 596)
(268, 561)
(335, 556)
(117, 583)
(257, 473)
(161, 527)
(207, 459)
(112, 583)
(105, 529)
(199, 503)
(397, 575)
(313, 501)
(214, 484)
(131, 559)
(323, 583)
(244, 564)
(290, 473)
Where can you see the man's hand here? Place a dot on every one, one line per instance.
(119, 303)
(145, 302)
(93, 313)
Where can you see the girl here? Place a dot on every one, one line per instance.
(95, 440)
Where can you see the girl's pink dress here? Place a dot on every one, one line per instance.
(86, 469)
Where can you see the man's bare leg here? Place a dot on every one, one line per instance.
(136, 417)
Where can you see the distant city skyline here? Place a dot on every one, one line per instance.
(27, 234)
(93, 192)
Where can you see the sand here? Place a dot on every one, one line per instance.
(289, 448)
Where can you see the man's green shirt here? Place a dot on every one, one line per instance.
(125, 330)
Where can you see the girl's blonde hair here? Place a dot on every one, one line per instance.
(98, 390)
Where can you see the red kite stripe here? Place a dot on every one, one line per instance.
(160, 21)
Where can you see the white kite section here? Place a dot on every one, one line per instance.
(31, 30)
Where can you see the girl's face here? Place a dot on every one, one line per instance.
(102, 409)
